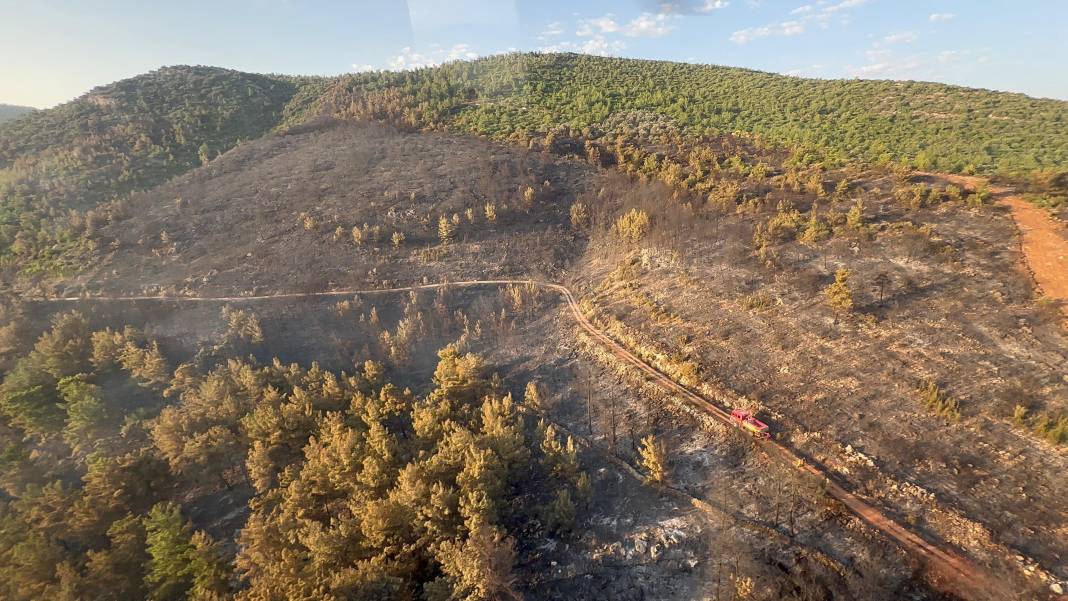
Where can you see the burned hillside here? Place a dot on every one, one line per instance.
(344, 205)
(880, 322)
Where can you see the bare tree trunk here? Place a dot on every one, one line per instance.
(589, 400)
(613, 410)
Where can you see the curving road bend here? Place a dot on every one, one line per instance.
(951, 571)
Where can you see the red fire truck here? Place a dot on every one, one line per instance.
(747, 422)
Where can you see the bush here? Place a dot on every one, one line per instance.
(632, 226)
(783, 225)
(653, 459)
(839, 294)
(1052, 429)
(936, 400)
(580, 216)
(446, 230)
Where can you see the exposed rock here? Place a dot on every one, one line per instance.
(640, 545)
(655, 551)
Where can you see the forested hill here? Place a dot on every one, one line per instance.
(12, 111)
(58, 165)
(153, 125)
(926, 125)
(126, 136)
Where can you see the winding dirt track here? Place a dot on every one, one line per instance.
(948, 570)
(1043, 240)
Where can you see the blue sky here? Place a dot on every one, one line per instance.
(55, 50)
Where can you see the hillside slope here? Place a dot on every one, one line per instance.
(118, 138)
(140, 132)
(874, 318)
(13, 111)
(926, 125)
(344, 204)
(717, 289)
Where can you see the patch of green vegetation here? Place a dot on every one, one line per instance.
(924, 125)
(58, 166)
(107, 451)
(1052, 428)
(1049, 201)
(11, 111)
(938, 401)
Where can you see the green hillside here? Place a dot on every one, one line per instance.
(58, 165)
(926, 125)
(13, 111)
(130, 135)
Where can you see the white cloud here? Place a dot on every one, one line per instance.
(690, 7)
(461, 52)
(876, 55)
(553, 29)
(744, 36)
(820, 13)
(809, 71)
(642, 26)
(900, 37)
(947, 56)
(885, 63)
(605, 24)
(844, 4)
(602, 47)
(784, 29)
(941, 17)
(362, 68)
(711, 5)
(598, 45)
(869, 70)
(647, 26)
(410, 59)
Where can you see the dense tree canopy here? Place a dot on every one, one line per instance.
(12, 111)
(359, 489)
(925, 125)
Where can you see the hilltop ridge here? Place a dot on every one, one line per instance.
(13, 111)
(141, 132)
(923, 125)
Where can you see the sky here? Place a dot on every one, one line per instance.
(54, 50)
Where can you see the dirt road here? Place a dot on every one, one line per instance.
(1044, 240)
(949, 571)
(1045, 246)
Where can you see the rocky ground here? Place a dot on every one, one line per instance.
(848, 389)
(939, 296)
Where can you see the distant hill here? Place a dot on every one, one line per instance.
(118, 138)
(12, 111)
(137, 133)
(924, 125)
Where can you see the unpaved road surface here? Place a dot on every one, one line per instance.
(948, 570)
(1043, 239)
(1045, 246)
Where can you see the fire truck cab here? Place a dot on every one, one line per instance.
(747, 422)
